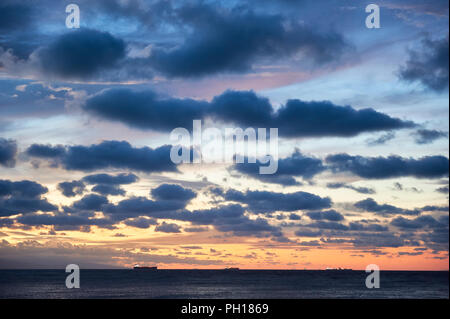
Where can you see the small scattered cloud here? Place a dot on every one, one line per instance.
(168, 228)
(358, 189)
(383, 139)
(428, 136)
(8, 152)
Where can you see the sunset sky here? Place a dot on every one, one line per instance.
(362, 115)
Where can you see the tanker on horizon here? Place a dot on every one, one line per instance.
(138, 267)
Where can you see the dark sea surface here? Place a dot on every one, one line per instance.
(245, 284)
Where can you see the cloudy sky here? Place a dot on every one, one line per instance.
(86, 115)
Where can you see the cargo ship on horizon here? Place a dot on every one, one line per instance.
(138, 267)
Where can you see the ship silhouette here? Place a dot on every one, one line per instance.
(338, 269)
(138, 267)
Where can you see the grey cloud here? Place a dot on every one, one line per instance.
(23, 197)
(330, 215)
(120, 179)
(107, 189)
(168, 228)
(8, 152)
(71, 189)
(362, 190)
(144, 109)
(265, 201)
(389, 167)
(107, 154)
(71, 54)
(424, 136)
(140, 222)
(296, 165)
(428, 66)
(370, 205)
(416, 223)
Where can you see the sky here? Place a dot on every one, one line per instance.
(362, 115)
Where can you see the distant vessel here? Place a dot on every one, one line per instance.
(338, 269)
(231, 269)
(137, 267)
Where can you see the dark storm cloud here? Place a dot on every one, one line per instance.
(18, 28)
(26, 189)
(429, 66)
(209, 39)
(370, 205)
(14, 16)
(108, 154)
(300, 118)
(8, 152)
(361, 190)
(330, 215)
(389, 167)
(120, 179)
(145, 110)
(23, 197)
(172, 192)
(296, 165)
(428, 136)
(242, 108)
(81, 54)
(266, 202)
(46, 151)
(71, 189)
(235, 40)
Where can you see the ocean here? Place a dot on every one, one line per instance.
(212, 284)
